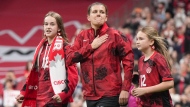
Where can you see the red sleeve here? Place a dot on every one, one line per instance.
(127, 58)
(164, 69)
(24, 87)
(79, 50)
(22, 91)
(73, 80)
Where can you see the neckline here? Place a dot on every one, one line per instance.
(48, 44)
(149, 57)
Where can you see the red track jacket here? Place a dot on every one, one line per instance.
(101, 68)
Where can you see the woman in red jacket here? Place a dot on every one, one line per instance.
(51, 82)
(100, 51)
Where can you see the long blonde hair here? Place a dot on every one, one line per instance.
(159, 42)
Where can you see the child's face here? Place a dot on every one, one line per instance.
(143, 43)
(50, 27)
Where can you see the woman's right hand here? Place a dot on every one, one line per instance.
(98, 41)
(20, 98)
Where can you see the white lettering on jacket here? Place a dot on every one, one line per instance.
(33, 87)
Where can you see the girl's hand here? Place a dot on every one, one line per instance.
(139, 92)
(20, 98)
(57, 98)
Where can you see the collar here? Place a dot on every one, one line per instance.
(101, 30)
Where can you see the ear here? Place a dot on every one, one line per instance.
(106, 18)
(88, 17)
(151, 42)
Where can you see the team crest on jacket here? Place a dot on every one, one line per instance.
(148, 70)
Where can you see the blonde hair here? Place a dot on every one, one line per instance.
(59, 22)
(159, 42)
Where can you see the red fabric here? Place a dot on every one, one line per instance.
(152, 72)
(100, 68)
(38, 84)
(45, 90)
(29, 92)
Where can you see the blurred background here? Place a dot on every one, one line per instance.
(21, 31)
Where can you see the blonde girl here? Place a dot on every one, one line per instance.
(154, 70)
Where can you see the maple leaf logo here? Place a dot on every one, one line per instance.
(58, 73)
(58, 63)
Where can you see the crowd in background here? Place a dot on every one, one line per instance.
(172, 19)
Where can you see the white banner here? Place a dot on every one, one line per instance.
(9, 97)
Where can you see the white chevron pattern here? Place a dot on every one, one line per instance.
(23, 40)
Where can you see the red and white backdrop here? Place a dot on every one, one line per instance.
(21, 26)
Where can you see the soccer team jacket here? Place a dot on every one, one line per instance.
(101, 68)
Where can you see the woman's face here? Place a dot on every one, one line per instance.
(97, 16)
(50, 27)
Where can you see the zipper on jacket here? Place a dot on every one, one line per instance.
(93, 65)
